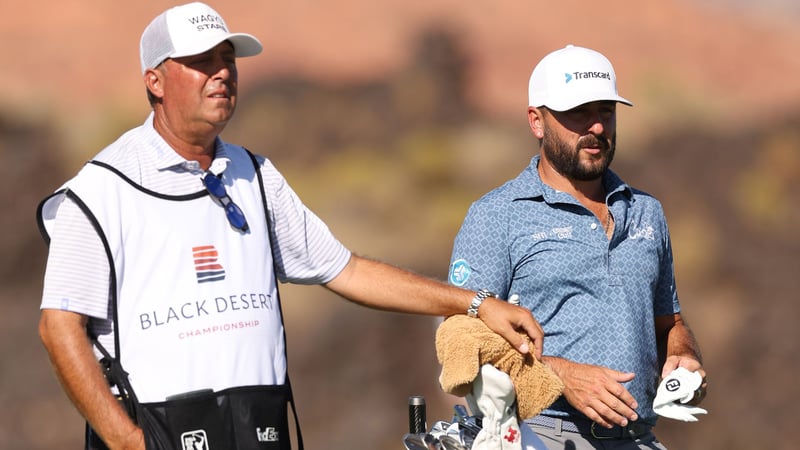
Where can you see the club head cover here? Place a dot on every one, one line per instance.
(494, 396)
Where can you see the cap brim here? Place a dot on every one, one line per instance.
(244, 44)
(566, 106)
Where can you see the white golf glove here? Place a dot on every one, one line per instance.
(494, 396)
(674, 391)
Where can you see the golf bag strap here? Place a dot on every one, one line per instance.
(294, 413)
(270, 229)
(117, 377)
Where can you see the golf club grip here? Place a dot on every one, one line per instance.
(416, 415)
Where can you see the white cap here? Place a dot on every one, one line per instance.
(570, 77)
(188, 30)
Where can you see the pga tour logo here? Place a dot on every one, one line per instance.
(194, 440)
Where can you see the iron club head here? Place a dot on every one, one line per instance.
(414, 442)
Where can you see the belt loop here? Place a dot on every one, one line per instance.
(557, 427)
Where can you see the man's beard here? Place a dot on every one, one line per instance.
(566, 160)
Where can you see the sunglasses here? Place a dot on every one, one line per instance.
(217, 190)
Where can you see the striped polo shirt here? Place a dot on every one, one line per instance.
(77, 273)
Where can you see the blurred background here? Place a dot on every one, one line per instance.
(389, 118)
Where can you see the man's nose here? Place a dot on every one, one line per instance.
(596, 124)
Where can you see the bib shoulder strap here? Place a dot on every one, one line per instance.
(270, 230)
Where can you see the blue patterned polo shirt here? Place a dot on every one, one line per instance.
(595, 297)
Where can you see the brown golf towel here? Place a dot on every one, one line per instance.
(464, 344)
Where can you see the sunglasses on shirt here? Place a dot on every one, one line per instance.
(217, 190)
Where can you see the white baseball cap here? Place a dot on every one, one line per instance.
(570, 77)
(188, 30)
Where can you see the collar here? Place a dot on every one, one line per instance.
(529, 186)
(166, 159)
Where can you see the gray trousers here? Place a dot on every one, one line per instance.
(556, 439)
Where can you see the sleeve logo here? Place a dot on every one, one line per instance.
(459, 272)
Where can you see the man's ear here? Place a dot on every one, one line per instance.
(154, 83)
(536, 122)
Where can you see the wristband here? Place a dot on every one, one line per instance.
(480, 296)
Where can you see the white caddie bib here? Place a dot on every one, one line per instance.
(197, 299)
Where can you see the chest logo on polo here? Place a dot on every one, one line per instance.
(206, 264)
(562, 232)
(554, 233)
(644, 231)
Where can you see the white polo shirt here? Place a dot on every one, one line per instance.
(160, 245)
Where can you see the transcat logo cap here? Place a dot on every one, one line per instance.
(570, 77)
(188, 30)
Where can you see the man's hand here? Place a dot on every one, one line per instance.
(596, 391)
(678, 348)
(692, 365)
(515, 323)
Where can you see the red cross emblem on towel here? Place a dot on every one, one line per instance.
(512, 435)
